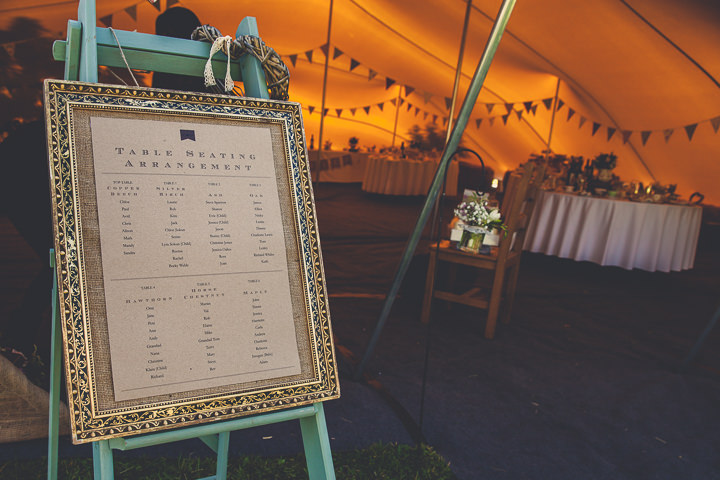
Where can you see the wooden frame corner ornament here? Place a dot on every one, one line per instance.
(190, 275)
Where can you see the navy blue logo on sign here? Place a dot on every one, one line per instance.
(187, 135)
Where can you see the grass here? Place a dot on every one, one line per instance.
(379, 461)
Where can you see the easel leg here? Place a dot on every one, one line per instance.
(55, 359)
(222, 455)
(103, 460)
(317, 446)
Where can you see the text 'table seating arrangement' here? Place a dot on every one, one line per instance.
(502, 263)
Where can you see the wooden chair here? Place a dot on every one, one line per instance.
(503, 261)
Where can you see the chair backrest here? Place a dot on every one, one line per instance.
(513, 208)
(527, 207)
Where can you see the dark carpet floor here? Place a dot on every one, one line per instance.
(584, 383)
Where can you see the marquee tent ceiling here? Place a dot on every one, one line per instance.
(640, 78)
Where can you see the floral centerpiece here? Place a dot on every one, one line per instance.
(478, 219)
(604, 164)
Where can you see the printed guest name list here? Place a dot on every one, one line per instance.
(193, 254)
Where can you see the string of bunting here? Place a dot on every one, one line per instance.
(131, 10)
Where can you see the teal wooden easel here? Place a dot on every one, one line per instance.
(85, 48)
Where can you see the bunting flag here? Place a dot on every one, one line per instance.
(324, 49)
(489, 107)
(715, 122)
(417, 110)
(644, 135)
(448, 102)
(352, 111)
(548, 103)
(571, 112)
(311, 109)
(132, 11)
(519, 114)
(371, 74)
(353, 63)
(308, 54)
(534, 109)
(409, 90)
(427, 96)
(325, 112)
(528, 106)
(170, 3)
(392, 100)
(107, 20)
(381, 105)
(478, 122)
(409, 106)
(690, 130)
(425, 115)
(293, 59)
(156, 4)
(610, 132)
(560, 104)
(444, 121)
(401, 102)
(338, 111)
(626, 135)
(596, 126)
(667, 133)
(367, 110)
(336, 53)
(388, 82)
(505, 118)
(434, 118)
(491, 120)
(582, 121)
(509, 107)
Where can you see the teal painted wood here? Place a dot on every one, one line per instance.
(71, 54)
(453, 141)
(55, 362)
(252, 72)
(88, 59)
(102, 461)
(318, 454)
(211, 441)
(222, 456)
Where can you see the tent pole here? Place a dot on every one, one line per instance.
(552, 117)
(473, 91)
(397, 112)
(325, 76)
(458, 71)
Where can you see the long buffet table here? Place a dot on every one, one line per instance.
(648, 236)
(402, 176)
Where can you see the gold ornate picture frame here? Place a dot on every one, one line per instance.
(190, 276)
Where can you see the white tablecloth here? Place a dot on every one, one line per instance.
(397, 176)
(648, 236)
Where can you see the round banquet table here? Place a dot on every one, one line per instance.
(648, 236)
(402, 176)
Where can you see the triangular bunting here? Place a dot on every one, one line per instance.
(371, 74)
(352, 111)
(293, 58)
(336, 52)
(425, 115)
(582, 121)
(107, 20)
(170, 3)
(325, 112)
(393, 102)
(715, 122)
(491, 120)
(409, 106)
(353, 63)
(401, 102)
(311, 109)
(489, 107)
(409, 90)
(519, 114)
(132, 11)
(610, 132)
(444, 121)
(668, 133)
(504, 118)
(325, 48)
(626, 135)
(156, 4)
(367, 110)
(560, 104)
(388, 82)
(338, 111)
(509, 107)
(417, 110)
(448, 102)
(434, 118)
(534, 109)
(478, 122)
(690, 130)
(381, 105)
(596, 126)
(427, 96)
(571, 112)
(548, 103)
(644, 135)
(528, 106)
(308, 54)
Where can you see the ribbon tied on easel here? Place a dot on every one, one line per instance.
(217, 46)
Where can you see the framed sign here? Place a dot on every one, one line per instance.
(190, 276)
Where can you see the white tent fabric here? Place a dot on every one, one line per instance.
(640, 78)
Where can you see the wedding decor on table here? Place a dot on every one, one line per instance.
(604, 165)
(476, 219)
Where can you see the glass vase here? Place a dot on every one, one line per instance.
(472, 239)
